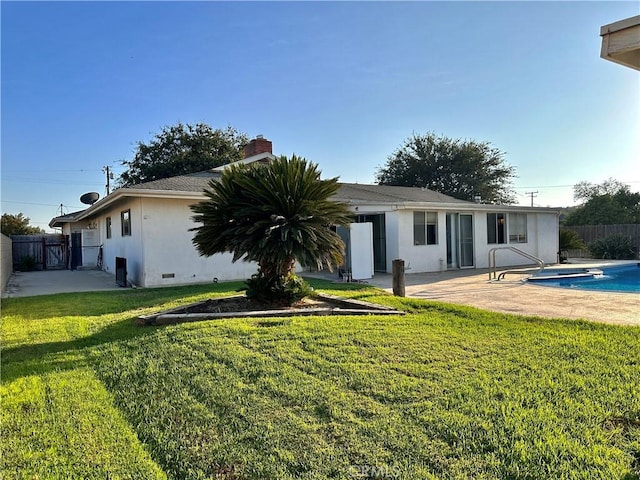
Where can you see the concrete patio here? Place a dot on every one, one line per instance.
(473, 288)
(46, 282)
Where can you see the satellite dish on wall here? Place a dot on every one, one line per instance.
(90, 198)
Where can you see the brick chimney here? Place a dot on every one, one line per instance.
(257, 146)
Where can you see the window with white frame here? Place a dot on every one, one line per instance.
(108, 226)
(125, 223)
(517, 228)
(425, 228)
(496, 228)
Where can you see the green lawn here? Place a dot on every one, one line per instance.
(443, 392)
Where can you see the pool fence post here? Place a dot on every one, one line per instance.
(398, 277)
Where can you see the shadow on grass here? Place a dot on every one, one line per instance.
(322, 284)
(42, 358)
(89, 304)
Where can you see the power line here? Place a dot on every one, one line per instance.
(65, 170)
(47, 182)
(532, 195)
(543, 186)
(561, 186)
(41, 204)
(50, 170)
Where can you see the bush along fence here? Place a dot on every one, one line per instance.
(615, 242)
(40, 252)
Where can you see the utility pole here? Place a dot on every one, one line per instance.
(532, 195)
(109, 174)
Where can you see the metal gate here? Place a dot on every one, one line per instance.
(40, 252)
(76, 250)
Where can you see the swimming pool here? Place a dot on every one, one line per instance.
(622, 278)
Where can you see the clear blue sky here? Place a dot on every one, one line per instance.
(343, 84)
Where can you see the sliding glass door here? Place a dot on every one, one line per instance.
(466, 240)
(460, 240)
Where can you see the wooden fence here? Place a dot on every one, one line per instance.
(591, 233)
(40, 252)
(6, 261)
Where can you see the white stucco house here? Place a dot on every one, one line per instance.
(149, 226)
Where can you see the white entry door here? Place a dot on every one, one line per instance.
(361, 238)
(90, 247)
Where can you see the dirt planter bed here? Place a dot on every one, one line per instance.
(240, 306)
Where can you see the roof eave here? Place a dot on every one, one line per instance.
(470, 206)
(621, 42)
(451, 206)
(119, 194)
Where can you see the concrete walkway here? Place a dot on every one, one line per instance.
(46, 282)
(473, 288)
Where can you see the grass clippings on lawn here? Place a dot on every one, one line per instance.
(443, 392)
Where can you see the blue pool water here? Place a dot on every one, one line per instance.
(623, 278)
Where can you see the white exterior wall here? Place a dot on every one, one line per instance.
(542, 241)
(160, 244)
(130, 246)
(160, 251)
(548, 237)
(77, 227)
(421, 258)
(392, 233)
(169, 251)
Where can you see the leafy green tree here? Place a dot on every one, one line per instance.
(18, 225)
(462, 169)
(274, 214)
(585, 191)
(610, 203)
(183, 149)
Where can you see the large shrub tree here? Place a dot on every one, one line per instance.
(584, 191)
(18, 225)
(182, 149)
(608, 203)
(462, 169)
(274, 214)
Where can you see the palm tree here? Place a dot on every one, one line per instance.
(569, 240)
(274, 214)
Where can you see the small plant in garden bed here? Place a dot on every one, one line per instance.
(277, 290)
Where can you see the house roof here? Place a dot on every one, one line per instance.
(348, 192)
(363, 193)
(191, 186)
(192, 182)
(196, 182)
(57, 222)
